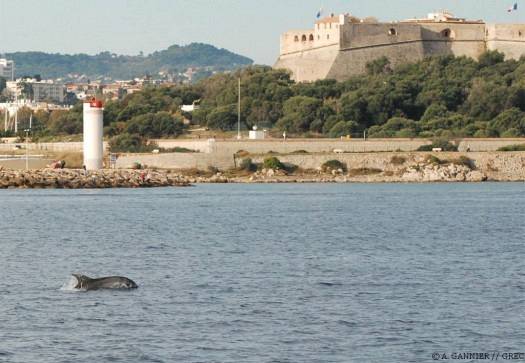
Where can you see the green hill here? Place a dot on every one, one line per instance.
(109, 65)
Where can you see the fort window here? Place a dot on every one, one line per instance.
(303, 38)
(447, 33)
(327, 36)
(519, 33)
(392, 31)
(311, 38)
(296, 38)
(318, 37)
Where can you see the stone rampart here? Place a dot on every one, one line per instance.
(507, 38)
(358, 43)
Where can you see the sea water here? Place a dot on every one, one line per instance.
(264, 273)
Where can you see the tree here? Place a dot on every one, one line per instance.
(299, 112)
(378, 66)
(434, 111)
(129, 143)
(155, 125)
(222, 118)
(343, 128)
(509, 123)
(491, 58)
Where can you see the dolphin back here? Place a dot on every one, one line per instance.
(110, 282)
(82, 281)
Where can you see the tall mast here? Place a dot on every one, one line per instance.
(239, 111)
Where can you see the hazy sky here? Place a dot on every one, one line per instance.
(248, 27)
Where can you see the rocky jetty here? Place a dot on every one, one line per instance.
(79, 179)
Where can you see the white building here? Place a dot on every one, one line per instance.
(256, 134)
(7, 69)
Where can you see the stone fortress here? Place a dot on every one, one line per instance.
(340, 46)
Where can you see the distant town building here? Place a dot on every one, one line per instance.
(48, 91)
(7, 69)
(35, 90)
(340, 46)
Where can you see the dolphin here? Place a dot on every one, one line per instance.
(110, 282)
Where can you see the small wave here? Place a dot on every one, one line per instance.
(70, 284)
(347, 323)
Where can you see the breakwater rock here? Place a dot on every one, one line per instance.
(80, 179)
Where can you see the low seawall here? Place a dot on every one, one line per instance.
(498, 166)
(229, 147)
(390, 166)
(223, 148)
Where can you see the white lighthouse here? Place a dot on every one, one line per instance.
(93, 133)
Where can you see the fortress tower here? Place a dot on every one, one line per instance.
(340, 46)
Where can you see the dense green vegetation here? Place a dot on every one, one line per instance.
(273, 163)
(442, 144)
(438, 98)
(106, 64)
(333, 165)
(517, 147)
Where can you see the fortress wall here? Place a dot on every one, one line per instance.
(453, 39)
(309, 65)
(506, 38)
(458, 49)
(458, 31)
(375, 34)
(353, 62)
(365, 42)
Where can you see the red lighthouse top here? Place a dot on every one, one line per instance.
(95, 103)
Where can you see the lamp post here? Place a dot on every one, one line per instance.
(239, 112)
(27, 154)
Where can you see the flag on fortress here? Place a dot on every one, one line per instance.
(320, 12)
(513, 8)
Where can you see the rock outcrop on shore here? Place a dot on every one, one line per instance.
(80, 179)
(422, 169)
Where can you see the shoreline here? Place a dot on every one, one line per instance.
(123, 178)
(443, 167)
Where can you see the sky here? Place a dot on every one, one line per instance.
(247, 27)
